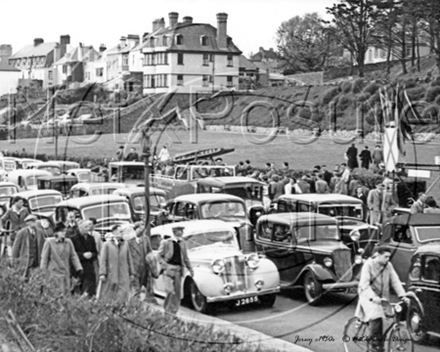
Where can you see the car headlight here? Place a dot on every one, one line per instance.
(253, 260)
(358, 259)
(218, 266)
(355, 235)
(259, 283)
(328, 262)
(45, 223)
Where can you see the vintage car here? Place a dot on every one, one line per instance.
(7, 191)
(85, 189)
(221, 271)
(41, 203)
(27, 179)
(128, 172)
(308, 252)
(404, 234)
(185, 178)
(8, 164)
(25, 162)
(51, 166)
(108, 210)
(65, 166)
(83, 175)
(359, 236)
(249, 189)
(61, 183)
(209, 206)
(424, 281)
(136, 199)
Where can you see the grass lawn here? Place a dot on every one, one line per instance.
(299, 156)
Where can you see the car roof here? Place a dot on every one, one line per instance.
(416, 219)
(48, 163)
(222, 181)
(65, 162)
(138, 190)
(429, 248)
(38, 192)
(322, 198)
(29, 172)
(206, 197)
(59, 177)
(79, 170)
(121, 163)
(82, 201)
(193, 227)
(303, 218)
(90, 185)
(8, 184)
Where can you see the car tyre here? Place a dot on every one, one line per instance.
(414, 321)
(198, 300)
(268, 300)
(312, 289)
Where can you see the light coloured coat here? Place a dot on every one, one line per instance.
(20, 249)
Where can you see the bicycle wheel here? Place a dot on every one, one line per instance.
(355, 335)
(399, 339)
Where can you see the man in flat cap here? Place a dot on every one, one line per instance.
(173, 257)
(28, 245)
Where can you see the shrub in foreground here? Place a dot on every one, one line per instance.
(54, 322)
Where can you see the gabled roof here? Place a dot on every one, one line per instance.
(246, 64)
(42, 49)
(79, 54)
(4, 66)
(264, 54)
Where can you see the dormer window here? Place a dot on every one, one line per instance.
(164, 41)
(179, 39)
(152, 42)
(228, 41)
(203, 40)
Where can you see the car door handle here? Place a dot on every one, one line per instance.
(419, 290)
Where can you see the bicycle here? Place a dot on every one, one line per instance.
(397, 337)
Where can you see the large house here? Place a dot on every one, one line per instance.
(189, 57)
(9, 77)
(35, 60)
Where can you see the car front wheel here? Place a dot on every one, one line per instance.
(198, 300)
(312, 289)
(415, 323)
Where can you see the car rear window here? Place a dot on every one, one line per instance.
(428, 233)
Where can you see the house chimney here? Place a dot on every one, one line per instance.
(173, 17)
(222, 19)
(133, 40)
(188, 20)
(38, 41)
(161, 22)
(64, 41)
(122, 41)
(102, 48)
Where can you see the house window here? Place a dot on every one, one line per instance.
(229, 81)
(203, 40)
(125, 60)
(64, 68)
(205, 81)
(162, 80)
(179, 39)
(50, 75)
(99, 72)
(230, 61)
(211, 79)
(162, 58)
(205, 59)
(152, 42)
(164, 41)
(88, 75)
(180, 80)
(150, 59)
(180, 59)
(211, 57)
(149, 81)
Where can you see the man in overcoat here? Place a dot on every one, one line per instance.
(173, 257)
(115, 267)
(28, 245)
(58, 256)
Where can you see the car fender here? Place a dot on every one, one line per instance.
(412, 296)
(208, 283)
(321, 273)
(268, 272)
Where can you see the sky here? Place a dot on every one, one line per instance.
(251, 23)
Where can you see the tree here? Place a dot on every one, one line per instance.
(355, 21)
(303, 43)
(430, 12)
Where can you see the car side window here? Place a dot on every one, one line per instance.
(180, 209)
(191, 211)
(155, 241)
(282, 207)
(304, 208)
(431, 269)
(266, 230)
(402, 234)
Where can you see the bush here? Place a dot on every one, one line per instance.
(436, 82)
(432, 94)
(346, 87)
(416, 93)
(363, 97)
(410, 83)
(437, 100)
(358, 85)
(343, 102)
(74, 324)
(329, 95)
(371, 88)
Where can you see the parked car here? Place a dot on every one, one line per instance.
(136, 199)
(41, 203)
(85, 189)
(62, 183)
(25, 162)
(108, 210)
(129, 172)
(208, 206)
(308, 252)
(7, 191)
(8, 164)
(424, 281)
(404, 234)
(221, 271)
(65, 166)
(359, 236)
(53, 167)
(27, 179)
(83, 175)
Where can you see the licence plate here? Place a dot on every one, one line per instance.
(351, 290)
(244, 301)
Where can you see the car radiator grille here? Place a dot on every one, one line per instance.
(342, 263)
(235, 273)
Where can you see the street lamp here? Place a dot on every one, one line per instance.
(145, 145)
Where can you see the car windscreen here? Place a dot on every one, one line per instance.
(102, 190)
(207, 238)
(44, 202)
(428, 233)
(84, 176)
(317, 232)
(157, 201)
(133, 172)
(7, 191)
(107, 210)
(54, 170)
(9, 165)
(226, 209)
(253, 193)
(354, 211)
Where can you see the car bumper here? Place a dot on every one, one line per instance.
(340, 286)
(240, 295)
